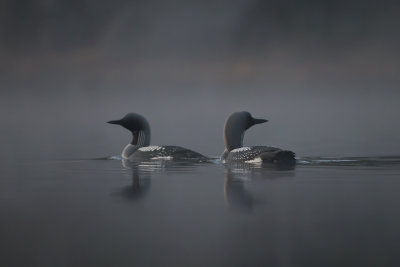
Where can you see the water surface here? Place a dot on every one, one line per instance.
(164, 213)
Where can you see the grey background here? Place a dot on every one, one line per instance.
(325, 74)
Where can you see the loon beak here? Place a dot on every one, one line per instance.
(258, 121)
(118, 122)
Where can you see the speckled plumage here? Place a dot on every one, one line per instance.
(165, 152)
(251, 154)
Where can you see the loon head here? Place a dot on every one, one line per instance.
(235, 126)
(139, 127)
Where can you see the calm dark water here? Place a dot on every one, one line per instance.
(161, 213)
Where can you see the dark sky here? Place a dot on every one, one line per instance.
(325, 73)
(352, 41)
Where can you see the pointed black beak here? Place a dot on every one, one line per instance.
(258, 121)
(118, 122)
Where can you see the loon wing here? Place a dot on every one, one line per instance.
(249, 153)
(178, 152)
(278, 156)
(265, 153)
(175, 152)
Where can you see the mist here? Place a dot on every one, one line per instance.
(325, 75)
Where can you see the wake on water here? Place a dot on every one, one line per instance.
(317, 161)
(349, 161)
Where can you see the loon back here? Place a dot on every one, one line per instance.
(165, 152)
(256, 154)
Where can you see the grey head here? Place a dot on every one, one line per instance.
(235, 126)
(139, 127)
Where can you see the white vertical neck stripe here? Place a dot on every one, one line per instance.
(139, 143)
(141, 138)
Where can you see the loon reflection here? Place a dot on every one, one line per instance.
(235, 192)
(143, 171)
(141, 182)
(238, 178)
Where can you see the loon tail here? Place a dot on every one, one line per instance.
(279, 157)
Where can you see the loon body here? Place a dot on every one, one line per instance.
(139, 148)
(235, 127)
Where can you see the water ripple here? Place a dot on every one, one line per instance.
(349, 161)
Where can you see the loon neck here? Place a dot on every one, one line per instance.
(233, 139)
(141, 138)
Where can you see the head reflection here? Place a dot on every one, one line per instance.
(235, 192)
(140, 185)
(142, 172)
(239, 177)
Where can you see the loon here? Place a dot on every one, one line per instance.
(235, 126)
(139, 147)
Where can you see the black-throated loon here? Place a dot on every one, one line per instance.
(139, 147)
(235, 127)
